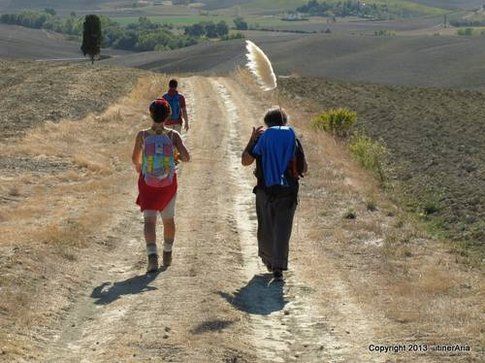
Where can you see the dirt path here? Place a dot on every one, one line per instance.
(216, 303)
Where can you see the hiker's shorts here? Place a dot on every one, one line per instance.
(167, 213)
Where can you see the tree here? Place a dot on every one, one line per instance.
(196, 30)
(92, 37)
(127, 40)
(50, 11)
(222, 29)
(211, 30)
(240, 23)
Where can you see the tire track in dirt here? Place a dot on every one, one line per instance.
(216, 303)
(291, 324)
(315, 328)
(177, 315)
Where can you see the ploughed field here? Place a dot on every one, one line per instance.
(436, 143)
(425, 61)
(31, 93)
(17, 42)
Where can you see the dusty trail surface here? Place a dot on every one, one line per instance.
(217, 303)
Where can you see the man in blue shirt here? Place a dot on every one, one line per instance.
(280, 162)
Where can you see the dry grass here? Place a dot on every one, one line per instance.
(55, 213)
(406, 283)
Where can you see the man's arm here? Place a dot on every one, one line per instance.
(186, 119)
(185, 115)
(246, 157)
(305, 164)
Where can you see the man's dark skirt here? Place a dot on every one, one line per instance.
(275, 221)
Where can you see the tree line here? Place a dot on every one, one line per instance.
(467, 23)
(144, 35)
(208, 29)
(344, 9)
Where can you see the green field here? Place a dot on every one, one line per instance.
(175, 20)
(397, 6)
(253, 21)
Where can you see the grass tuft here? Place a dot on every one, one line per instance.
(371, 154)
(371, 205)
(337, 121)
(350, 214)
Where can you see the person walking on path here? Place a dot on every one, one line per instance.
(154, 160)
(280, 162)
(177, 103)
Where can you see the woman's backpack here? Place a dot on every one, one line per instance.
(158, 161)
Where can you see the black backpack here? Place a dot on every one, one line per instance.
(297, 164)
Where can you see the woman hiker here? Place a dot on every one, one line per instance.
(154, 159)
(280, 162)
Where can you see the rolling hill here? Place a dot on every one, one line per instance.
(435, 142)
(17, 42)
(451, 4)
(426, 61)
(9, 5)
(420, 6)
(252, 6)
(21, 42)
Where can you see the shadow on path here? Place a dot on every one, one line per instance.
(211, 326)
(261, 296)
(106, 294)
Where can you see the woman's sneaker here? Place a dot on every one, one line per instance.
(152, 263)
(167, 258)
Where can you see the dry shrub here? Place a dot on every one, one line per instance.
(337, 121)
(148, 87)
(434, 281)
(87, 163)
(371, 154)
(67, 235)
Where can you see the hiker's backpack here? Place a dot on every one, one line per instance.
(297, 164)
(158, 161)
(174, 102)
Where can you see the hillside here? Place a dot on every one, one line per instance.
(279, 5)
(418, 7)
(8, 5)
(21, 42)
(451, 4)
(17, 42)
(423, 7)
(72, 255)
(436, 144)
(56, 92)
(426, 61)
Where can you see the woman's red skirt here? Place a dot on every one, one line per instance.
(151, 198)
